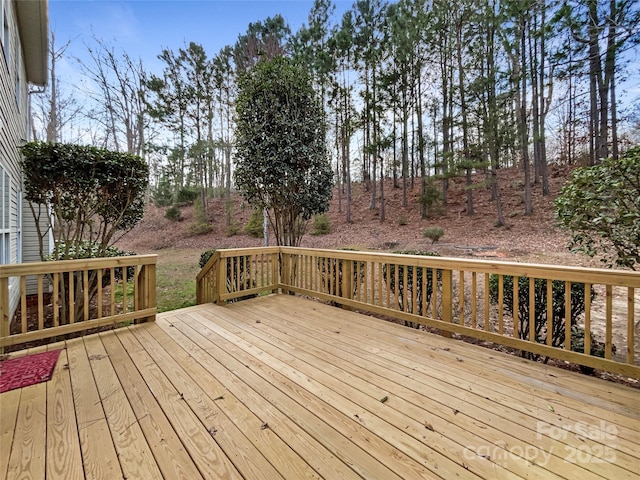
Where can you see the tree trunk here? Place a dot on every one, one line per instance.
(465, 126)
(521, 75)
(405, 141)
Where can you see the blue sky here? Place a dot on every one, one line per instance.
(143, 28)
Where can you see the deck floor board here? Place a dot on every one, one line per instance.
(421, 410)
(280, 387)
(168, 450)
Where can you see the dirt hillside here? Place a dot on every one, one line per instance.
(533, 238)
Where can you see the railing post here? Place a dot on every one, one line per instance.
(447, 299)
(285, 275)
(210, 281)
(199, 283)
(275, 270)
(152, 292)
(146, 291)
(222, 280)
(347, 279)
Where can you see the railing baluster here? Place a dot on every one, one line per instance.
(56, 292)
(379, 284)
(447, 299)
(85, 285)
(567, 316)
(630, 324)
(138, 281)
(516, 307)
(500, 304)
(72, 301)
(405, 290)
(348, 271)
(112, 289)
(434, 292)
(414, 289)
(424, 290)
(609, 323)
(99, 274)
(388, 285)
(24, 313)
(125, 284)
(549, 294)
(461, 299)
(474, 296)
(372, 282)
(324, 275)
(487, 311)
(587, 318)
(532, 309)
(40, 303)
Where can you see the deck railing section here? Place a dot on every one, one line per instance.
(475, 298)
(75, 295)
(237, 274)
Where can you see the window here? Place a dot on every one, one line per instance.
(5, 216)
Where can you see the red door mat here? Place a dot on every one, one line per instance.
(28, 370)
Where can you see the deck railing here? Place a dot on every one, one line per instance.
(75, 295)
(235, 274)
(473, 298)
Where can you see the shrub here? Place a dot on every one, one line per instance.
(88, 249)
(173, 213)
(233, 230)
(200, 224)
(540, 298)
(228, 212)
(321, 224)
(289, 174)
(430, 200)
(205, 256)
(402, 220)
(199, 229)
(85, 189)
(254, 228)
(577, 345)
(600, 206)
(187, 195)
(394, 275)
(433, 233)
(163, 193)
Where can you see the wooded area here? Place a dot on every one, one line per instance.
(414, 91)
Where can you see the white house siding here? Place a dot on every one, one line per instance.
(14, 130)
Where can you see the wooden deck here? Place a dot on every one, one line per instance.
(282, 387)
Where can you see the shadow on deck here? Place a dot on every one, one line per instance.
(282, 387)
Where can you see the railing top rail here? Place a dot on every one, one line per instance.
(208, 266)
(604, 276)
(61, 266)
(232, 252)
